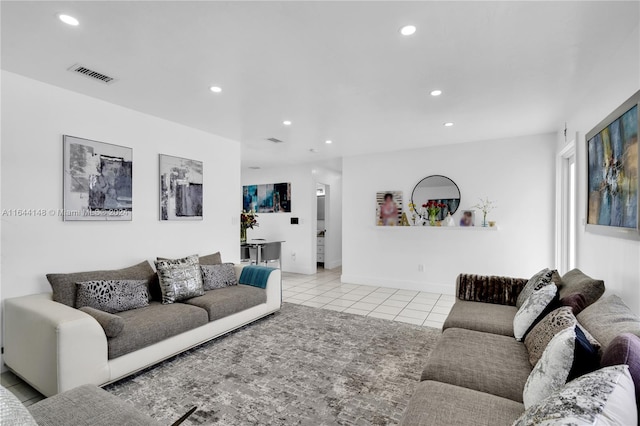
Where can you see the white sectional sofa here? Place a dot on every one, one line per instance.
(55, 347)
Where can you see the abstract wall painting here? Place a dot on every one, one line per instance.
(267, 198)
(98, 180)
(612, 172)
(181, 186)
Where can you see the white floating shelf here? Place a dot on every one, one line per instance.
(444, 228)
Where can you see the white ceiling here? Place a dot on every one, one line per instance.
(337, 70)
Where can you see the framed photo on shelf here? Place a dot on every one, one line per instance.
(468, 218)
(388, 208)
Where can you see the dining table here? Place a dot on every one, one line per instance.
(258, 244)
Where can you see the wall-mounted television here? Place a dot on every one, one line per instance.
(612, 172)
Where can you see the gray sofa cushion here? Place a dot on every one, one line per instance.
(479, 316)
(88, 405)
(486, 362)
(152, 324)
(576, 282)
(64, 285)
(437, 404)
(226, 301)
(607, 318)
(110, 323)
(211, 259)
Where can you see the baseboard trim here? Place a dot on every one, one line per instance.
(399, 284)
(333, 264)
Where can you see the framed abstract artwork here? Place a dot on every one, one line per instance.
(612, 172)
(98, 180)
(267, 198)
(181, 188)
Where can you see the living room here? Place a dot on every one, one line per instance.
(521, 82)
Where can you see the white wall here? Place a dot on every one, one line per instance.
(34, 118)
(517, 173)
(612, 81)
(298, 250)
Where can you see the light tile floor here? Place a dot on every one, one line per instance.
(324, 290)
(25, 393)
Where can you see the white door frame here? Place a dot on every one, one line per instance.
(563, 233)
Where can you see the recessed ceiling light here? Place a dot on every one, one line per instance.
(315, 151)
(408, 30)
(448, 124)
(69, 20)
(436, 92)
(215, 89)
(286, 123)
(328, 142)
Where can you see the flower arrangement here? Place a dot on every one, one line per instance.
(247, 220)
(433, 208)
(485, 206)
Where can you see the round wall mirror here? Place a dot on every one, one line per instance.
(436, 188)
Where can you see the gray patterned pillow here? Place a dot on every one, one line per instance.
(12, 411)
(533, 307)
(180, 279)
(112, 295)
(551, 372)
(542, 333)
(605, 396)
(536, 282)
(218, 276)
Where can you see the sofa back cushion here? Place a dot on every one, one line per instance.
(64, 285)
(625, 349)
(576, 282)
(608, 318)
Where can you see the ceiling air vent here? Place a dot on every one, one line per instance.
(81, 69)
(274, 140)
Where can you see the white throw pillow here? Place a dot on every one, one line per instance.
(603, 397)
(536, 282)
(531, 309)
(551, 372)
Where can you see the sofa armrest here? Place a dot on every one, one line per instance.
(52, 346)
(489, 289)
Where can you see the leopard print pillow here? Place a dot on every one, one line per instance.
(542, 333)
(112, 295)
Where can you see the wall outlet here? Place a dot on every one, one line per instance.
(420, 267)
(293, 255)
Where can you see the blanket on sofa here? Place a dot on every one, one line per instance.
(256, 276)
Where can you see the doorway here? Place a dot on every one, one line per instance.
(566, 215)
(322, 226)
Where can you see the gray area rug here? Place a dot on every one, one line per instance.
(300, 366)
